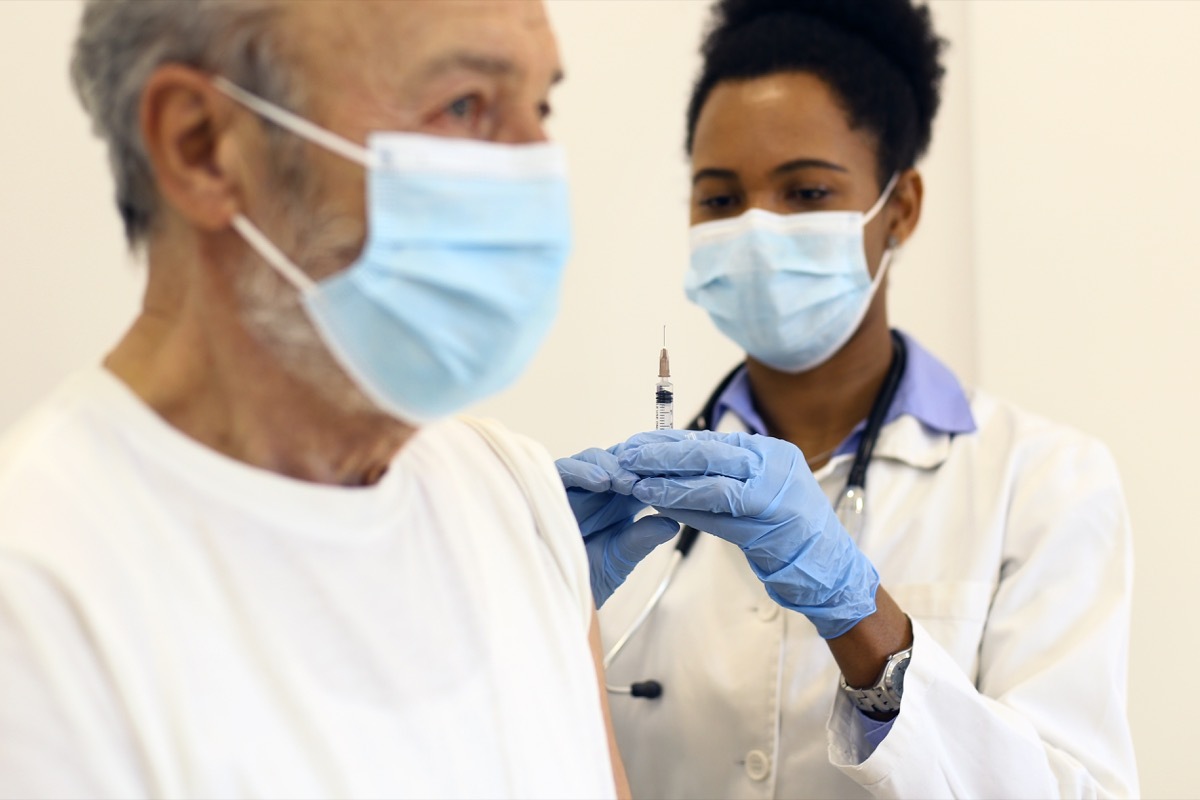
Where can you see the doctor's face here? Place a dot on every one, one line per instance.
(783, 143)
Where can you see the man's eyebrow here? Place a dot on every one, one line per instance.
(474, 62)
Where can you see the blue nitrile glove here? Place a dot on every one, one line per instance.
(758, 493)
(599, 493)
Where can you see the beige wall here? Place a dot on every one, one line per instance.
(1053, 264)
(66, 290)
(1085, 129)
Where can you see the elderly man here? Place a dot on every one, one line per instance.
(254, 554)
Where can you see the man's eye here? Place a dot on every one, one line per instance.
(463, 107)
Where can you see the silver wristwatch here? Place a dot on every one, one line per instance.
(884, 696)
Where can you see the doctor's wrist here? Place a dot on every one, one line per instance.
(835, 591)
(863, 651)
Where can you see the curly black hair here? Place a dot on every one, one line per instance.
(881, 58)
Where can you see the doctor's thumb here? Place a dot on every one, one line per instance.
(645, 534)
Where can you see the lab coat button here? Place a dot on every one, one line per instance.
(758, 765)
(767, 610)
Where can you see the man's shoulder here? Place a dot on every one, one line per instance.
(56, 449)
(470, 436)
(51, 428)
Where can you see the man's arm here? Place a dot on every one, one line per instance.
(618, 767)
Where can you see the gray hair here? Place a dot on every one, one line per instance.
(122, 42)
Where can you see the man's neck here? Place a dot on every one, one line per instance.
(191, 360)
(817, 410)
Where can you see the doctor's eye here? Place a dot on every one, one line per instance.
(808, 194)
(717, 203)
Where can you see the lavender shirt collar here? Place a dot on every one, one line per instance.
(928, 391)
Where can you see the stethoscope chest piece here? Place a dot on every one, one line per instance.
(851, 510)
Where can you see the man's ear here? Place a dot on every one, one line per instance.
(906, 205)
(187, 127)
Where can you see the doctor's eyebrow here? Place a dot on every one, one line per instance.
(782, 169)
(806, 163)
(713, 172)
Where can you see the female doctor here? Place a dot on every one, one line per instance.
(844, 458)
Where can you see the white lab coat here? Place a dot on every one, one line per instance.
(1010, 550)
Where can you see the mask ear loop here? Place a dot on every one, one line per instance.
(884, 262)
(267, 250)
(892, 242)
(295, 123)
(307, 130)
(883, 198)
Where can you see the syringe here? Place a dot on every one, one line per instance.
(664, 391)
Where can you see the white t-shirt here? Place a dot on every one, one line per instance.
(176, 623)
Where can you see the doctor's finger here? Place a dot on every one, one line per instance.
(587, 504)
(676, 435)
(713, 494)
(692, 457)
(596, 471)
(635, 542)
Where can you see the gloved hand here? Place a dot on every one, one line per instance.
(599, 493)
(758, 493)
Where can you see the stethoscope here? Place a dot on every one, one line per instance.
(850, 507)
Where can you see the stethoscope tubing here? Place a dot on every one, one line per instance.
(672, 566)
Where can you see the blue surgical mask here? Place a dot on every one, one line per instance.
(790, 290)
(458, 282)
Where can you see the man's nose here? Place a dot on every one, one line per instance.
(523, 127)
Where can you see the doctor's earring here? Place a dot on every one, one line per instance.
(892, 242)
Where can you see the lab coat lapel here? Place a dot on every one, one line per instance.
(909, 442)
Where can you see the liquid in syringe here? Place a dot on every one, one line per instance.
(664, 391)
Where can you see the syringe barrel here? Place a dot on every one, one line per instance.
(664, 406)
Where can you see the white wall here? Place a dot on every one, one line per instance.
(1052, 265)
